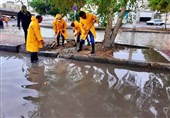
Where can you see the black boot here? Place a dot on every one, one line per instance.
(80, 47)
(77, 41)
(93, 48)
(63, 42)
(88, 42)
(58, 42)
(75, 45)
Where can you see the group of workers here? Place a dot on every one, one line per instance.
(82, 30)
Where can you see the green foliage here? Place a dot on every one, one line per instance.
(53, 7)
(53, 10)
(74, 16)
(42, 7)
(105, 7)
(65, 6)
(162, 6)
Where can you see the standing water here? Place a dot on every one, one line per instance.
(59, 88)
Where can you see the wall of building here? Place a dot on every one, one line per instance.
(145, 13)
(11, 5)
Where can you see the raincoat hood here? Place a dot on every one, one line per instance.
(58, 16)
(33, 18)
(60, 26)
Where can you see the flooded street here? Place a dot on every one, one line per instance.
(159, 41)
(59, 88)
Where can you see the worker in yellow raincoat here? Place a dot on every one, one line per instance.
(34, 38)
(77, 32)
(59, 26)
(87, 21)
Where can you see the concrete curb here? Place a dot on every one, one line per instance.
(91, 58)
(48, 54)
(152, 65)
(133, 46)
(10, 48)
(145, 31)
(164, 55)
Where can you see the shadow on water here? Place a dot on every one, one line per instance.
(58, 88)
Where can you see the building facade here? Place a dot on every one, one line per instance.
(11, 5)
(144, 13)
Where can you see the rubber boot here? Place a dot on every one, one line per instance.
(80, 47)
(77, 41)
(63, 42)
(75, 45)
(88, 42)
(58, 42)
(93, 48)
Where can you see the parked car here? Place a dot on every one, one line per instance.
(12, 18)
(155, 22)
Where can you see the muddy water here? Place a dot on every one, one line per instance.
(58, 88)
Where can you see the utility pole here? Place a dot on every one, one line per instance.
(75, 9)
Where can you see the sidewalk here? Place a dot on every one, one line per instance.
(120, 55)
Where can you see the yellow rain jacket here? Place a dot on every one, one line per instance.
(76, 28)
(87, 25)
(60, 26)
(34, 36)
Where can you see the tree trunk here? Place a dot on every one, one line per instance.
(109, 42)
(166, 20)
(108, 27)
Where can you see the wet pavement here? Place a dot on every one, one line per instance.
(60, 88)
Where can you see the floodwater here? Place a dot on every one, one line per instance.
(59, 88)
(160, 41)
(139, 55)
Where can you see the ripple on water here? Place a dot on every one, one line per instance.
(62, 88)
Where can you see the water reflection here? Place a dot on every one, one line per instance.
(93, 90)
(66, 88)
(142, 55)
(36, 75)
(11, 81)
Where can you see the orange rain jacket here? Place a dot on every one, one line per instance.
(34, 37)
(60, 26)
(76, 28)
(87, 25)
